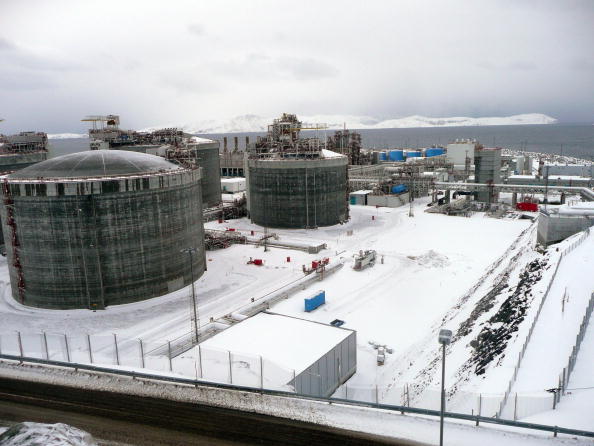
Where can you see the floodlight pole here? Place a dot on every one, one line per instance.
(442, 394)
(445, 337)
(190, 251)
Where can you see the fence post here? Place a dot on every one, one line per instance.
(480, 405)
(67, 347)
(117, 353)
(261, 373)
(563, 382)
(0, 344)
(346, 392)
(45, 345)
(169, 354)
(516, 407)
(200, 361)
(230, 368)
(90, 349)
(20, 344)
(141, 353)
(376, 396)
(407, 396)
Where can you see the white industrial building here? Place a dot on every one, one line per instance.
(322, 356)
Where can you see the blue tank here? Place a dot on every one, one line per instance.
(399, 188)
(383, 156)
(434, 151)
(396, 155)
(413, 154)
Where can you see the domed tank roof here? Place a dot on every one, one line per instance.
(96, 163)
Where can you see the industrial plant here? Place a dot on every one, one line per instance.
(101, 228)
(303, 262)
(294, 182)
(21, 150)
(170, 143)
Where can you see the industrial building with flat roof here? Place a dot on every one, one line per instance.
(322, 356)
(99, 228)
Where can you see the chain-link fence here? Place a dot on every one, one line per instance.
(135, 354)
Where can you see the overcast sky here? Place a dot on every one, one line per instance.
(159, 62)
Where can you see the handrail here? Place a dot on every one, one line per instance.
(402, 409)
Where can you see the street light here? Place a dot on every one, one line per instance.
(445, 337)
(191, 251)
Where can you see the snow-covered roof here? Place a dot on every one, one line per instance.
(290, 342)
(200, 140)
(361, 192)
(233, 180)
(330, 154)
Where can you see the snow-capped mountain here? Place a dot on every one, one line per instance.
(67, 135)
(254, 123)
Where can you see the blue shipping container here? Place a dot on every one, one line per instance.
(399, 189)
(413, 154)
(314, 302)
(396, 155)
(383, 156)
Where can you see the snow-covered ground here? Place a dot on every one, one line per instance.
(479, 276)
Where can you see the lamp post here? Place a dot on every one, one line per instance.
(445, 337)
(191, 251)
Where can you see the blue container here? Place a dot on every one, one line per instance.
(396, 155)
(383, 156)
(413, 154)
(314, 302)
(434, 151)
(398, 189)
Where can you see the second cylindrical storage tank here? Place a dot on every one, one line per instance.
(99, 228)
(207, 157)
(298, 193)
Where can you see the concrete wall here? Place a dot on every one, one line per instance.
(333, 369)
(457, 152)
(553, 228)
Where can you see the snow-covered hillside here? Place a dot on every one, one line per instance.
(254, 123)
(67, 135)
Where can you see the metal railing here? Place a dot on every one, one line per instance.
(566, 373)
(477, 419)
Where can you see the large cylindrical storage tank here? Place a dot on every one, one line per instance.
(298, 193)
(396, 155)
(207, 157)
(100, 228)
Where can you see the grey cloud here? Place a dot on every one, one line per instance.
(522, 65)
(196, 28)
(308, 68)
(6, 44)
(263, 67)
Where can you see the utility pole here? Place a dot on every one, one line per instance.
(191, 251)
(445, 338)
